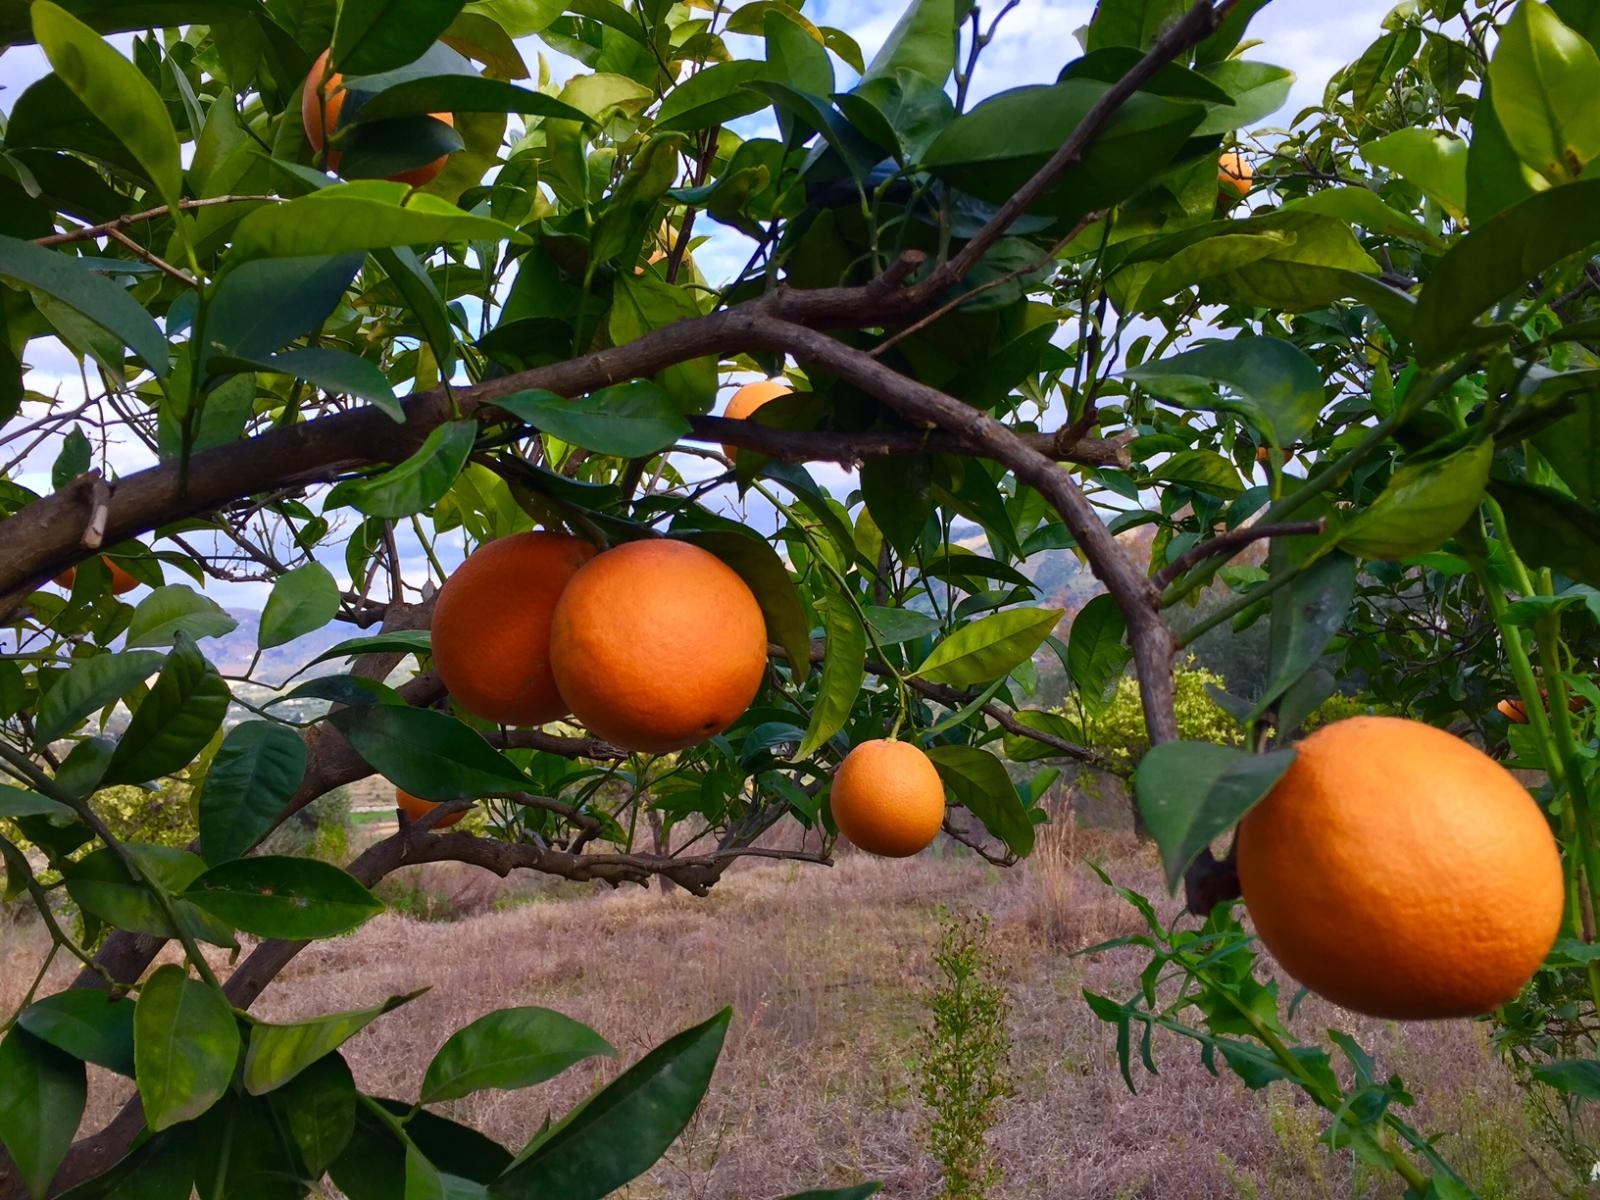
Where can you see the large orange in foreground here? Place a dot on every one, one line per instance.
(322, 101)
(416, 808)
(888, 799)
(749, 398)
(1401, 872)
(491, 626)
(658, 645)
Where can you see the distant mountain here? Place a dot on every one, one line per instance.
(232, 653)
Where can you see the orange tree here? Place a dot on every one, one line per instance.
(1039, 314)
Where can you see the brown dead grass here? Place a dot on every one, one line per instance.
(824, 968)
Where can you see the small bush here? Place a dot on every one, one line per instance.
(163, 815)
(965, 1069)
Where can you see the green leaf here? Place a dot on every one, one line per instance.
(977, 780)
(990, 647)
(1133, 23)
(255, 771)
(430, 754)
(1191, 793)
(644, 303)
(317, 1108)
(758, 564)
(1552, 530)
(1575, 1076)
(1203, 470)
(102, 886)
(401, 641)
(281, 896)
(621, 1130)
(1572, 446)
(898, 492)
(72, 461)
(462, 94)
(1497, 258)
(88, 686)
(277, 1053)
(174, 722)
(85, 1023)
(1364, 207)
(40, 1106)
(1434, 162)
(893, 626)
(713, 95)
(1544, 78)
(302, 600)
(88, 293)
(1273, 384)
(1422, 505)
(259, 307)
(923, 41)
(1496, 177)
(1097, 650)
(843, 671)
(363, 215)
(14, 802)
(185, 1046)
(175, 611)
(380, 35)
(629, 420)
(1258, 90)
(335, 371)
(416, 287)
(115, 91)
(417, 483)
(992, 150)
(509, 1048)
(1305, 617)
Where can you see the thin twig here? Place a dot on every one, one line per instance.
(154, 259)
(1230, 543)
(89, 232)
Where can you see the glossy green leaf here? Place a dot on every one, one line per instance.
(90, 685)
(417, 483)
(509, 1048)
(302, 600)
(280, 896)
(86, 1023)
(1552, 530)
(40, 1106)
(14, 802)
(1132, 23)
(115, 91)
(317, 1109)
(259, 307)
(174, 722)
(428, 753)
(87, 293)
(185, 1046)
(622, 1129)
(990, 647)
(102, 886)
(463, 94)
(1572, 446)
(1544, 77)
(256, 769)
(72, 460)
(1191, 793)
(1497, 258)
(646, 302)
(1097, 651)
(380, 35)
(1364, 207)
(758, 564)
(175, 611)
(1273, 384)
(278, 1053)
(923, 41)
(978, 781)
(1258, 90)
(898, 492)
(893, 626)
(714, 94)
(416, 287)
(1022, 749)
(629, 420)
(1574, 1076)
(335, 371)
(1306, 616)
(843, 671)
(1203, 470)
(1435, 162)
(1422, 505)
(363, 215)
(400, 641)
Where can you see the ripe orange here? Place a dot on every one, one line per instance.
(121, 581)
(1234, 174)
(321, 102)
(658, 645)
(749, 398)
(416, 808)
(888, 799)
(491, 626)
(1514, 711)
(1401, 872)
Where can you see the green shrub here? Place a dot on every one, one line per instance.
(163, 815)
(321, 830)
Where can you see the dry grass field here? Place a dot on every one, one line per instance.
(825, 970)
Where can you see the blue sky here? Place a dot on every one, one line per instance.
(1311, 38)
